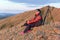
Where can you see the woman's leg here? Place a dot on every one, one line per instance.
(27, 28)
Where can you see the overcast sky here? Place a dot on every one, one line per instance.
(18, 6)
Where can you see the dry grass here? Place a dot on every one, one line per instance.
(11, 27)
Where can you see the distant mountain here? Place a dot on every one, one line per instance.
(5, 15)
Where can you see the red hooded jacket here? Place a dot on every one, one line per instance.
(34, 20)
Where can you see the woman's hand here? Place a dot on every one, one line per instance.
(28, 22)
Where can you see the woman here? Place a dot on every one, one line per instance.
(31, 23)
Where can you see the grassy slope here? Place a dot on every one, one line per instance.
(11, 27)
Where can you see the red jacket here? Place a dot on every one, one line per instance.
(34, 20)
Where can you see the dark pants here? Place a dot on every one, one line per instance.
(28, 27)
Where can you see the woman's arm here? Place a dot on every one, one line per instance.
(34, 20)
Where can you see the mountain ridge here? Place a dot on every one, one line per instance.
(5, 15)
(11, 27)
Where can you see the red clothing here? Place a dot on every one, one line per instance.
(34, 20)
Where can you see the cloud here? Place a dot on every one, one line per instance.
(7, 6)
(57, 5)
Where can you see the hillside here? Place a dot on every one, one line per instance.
(11, 27)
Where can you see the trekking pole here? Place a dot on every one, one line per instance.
(46, 15)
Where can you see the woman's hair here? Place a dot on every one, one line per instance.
(38, 10)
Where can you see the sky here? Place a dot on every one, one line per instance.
(18, 6)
